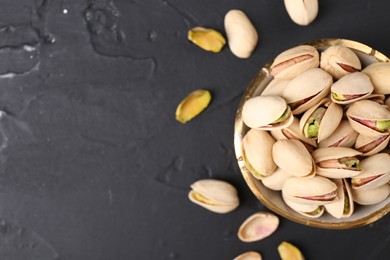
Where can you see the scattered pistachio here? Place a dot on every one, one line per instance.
(192, 105)
(258, 226)
(207, 39)
(288, 251)
(302, 12)
(250, 255)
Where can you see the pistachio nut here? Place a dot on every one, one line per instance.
(241, 34)
(337, 162)
(288, 251)
(250, 255)
(371, 196)
(258, 226)
(350, 88)
(369, 145)
(192, 105)
(310, 211)
(207, 39)
(369, 118)
(344, 136)
(276, 180)
(379, 74)
(343, 206)
(292, 156)
(257, 152)
(275, 87)
(267, 113)
(215, 195)
(312, 191)
(295, 61)
(302, 12)
(376, 172)
(321, 120)
(339, 61)
(307, 89)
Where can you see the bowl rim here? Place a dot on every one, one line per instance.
(240, 129)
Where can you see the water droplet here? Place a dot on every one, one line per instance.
(65, 11)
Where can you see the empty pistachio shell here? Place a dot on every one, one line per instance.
(207, 39)
(295, 61)
(339, 61)
(302, 12)
(350, 88)
(369, 145)
(258, 226)
(276, 180)
(343, 136)
(242, 35)
(342, 206)
(192, 105)
(379, 74)
(288, 251)
(371, 196)
(310, 211)
(215, 195)
(250, 255)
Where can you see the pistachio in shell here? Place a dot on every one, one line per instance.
(288, 251)
(369, 145)
(350, 88)
(275, 87)
(258, 226)
(257, 150)
(215, 195)
(295, 61)
(310, 211)
(276, 180)
(267, 113)
(371, 196)
(302, 12)
(307, 89)
(193, 105)
(343, 206)
(250, 255)
(343, 136)
(207, 39)
(339, 61)
(379, 74)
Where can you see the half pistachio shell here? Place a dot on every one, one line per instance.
(267, 113)
(207, 39)
(371, 196)
(288, 251)
(307, 89)
(310, 211)
(295, 61)
(379, 74)
(276, 180)
(337, 162)
(343, 136)
(257, 150)
(339, 61)
(250, 255)
(343, 206)
(215, 195)
(370, 145)
(275, 87)
(193, 105)
(292, 156)
(258, 226)
(350, 88)
(302, 12)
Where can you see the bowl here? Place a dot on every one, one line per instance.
(363, 215)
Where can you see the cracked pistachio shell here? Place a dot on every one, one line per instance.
(258, 226)
(307, 89)
(343, 206)
(250, 255)
(310, 211)
(375, 172)
(276, 180)
(371, 196)
(379, 74)
(275, 87)
(302, 12)
(292, 156)
(292, 62)
(241, 34)
(207, 39)
(329, 122)
(311, 191)
(367, 110)
(334, 153)
(370, 145)
(343, 136)
(192, 105)
(353, 87)
(262, 111)
(288, 251)
(257, 150)
(339, 61)
(215, 195)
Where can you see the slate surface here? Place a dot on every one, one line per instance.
(93, 164)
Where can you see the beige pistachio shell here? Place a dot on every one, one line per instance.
(375, 172)
(257, 150)
(378, 98)
(329, 122)
(295, 61)
(339, 61)
(302, 12)
(343, 136)
(307, 89)
(312, 191)
(354, 86)
(370, 145)
(371, 196)
(250, 255)
(288, 251)
(258, 226)
(379, 74)
(276, 180)
(343, 206)
(262, 111)
(310, 211)
(292, 156)
(275, 87)
(367, 110)
(215, 195)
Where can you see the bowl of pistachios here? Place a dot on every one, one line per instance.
(312, 132)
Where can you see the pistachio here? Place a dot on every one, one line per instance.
(207, 39)
(370, 145)
(342, 207)
(192, 105)
(250, 255)
(258, 226)
(350, 88)
(339, 61)
(288, 251)
(215, 195)
(302, 12)
(343, 136)
(275, 87)
(241, 34)
(379, 74)
(310, 211)
(371, 196)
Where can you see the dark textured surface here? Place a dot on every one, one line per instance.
(93, 164)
